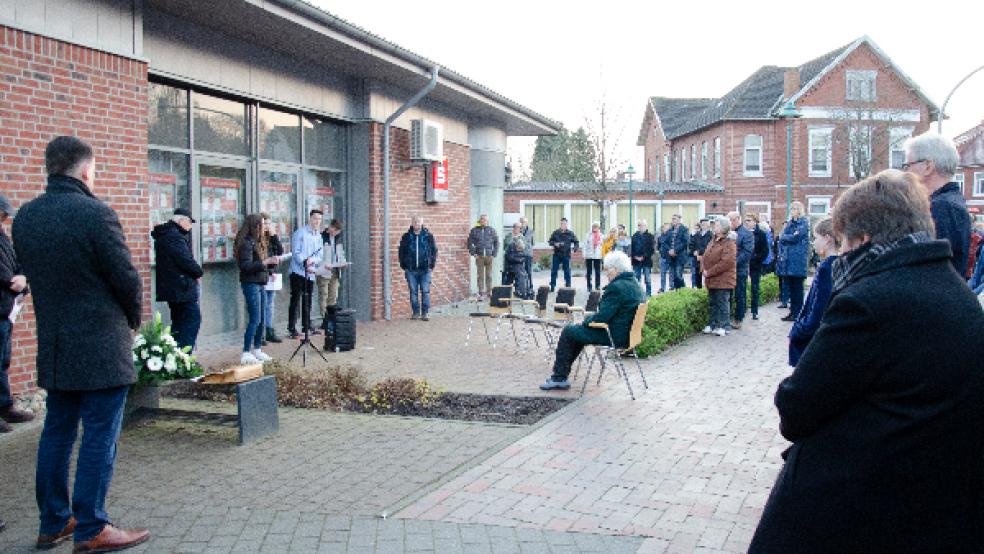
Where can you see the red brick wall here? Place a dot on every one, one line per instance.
(50, 88)
(448, 221)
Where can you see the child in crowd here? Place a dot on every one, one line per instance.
(827, 247)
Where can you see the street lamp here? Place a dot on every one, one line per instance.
(939, 118)
(789, 113)
(630, 172)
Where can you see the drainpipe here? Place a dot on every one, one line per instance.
(387, 278)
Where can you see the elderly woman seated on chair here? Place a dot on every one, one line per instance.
(621, 298)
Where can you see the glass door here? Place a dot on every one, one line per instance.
(278, 199)
(221, 186)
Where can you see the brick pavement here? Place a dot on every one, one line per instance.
(689, 464)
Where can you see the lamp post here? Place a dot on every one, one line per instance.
(630, 172)
(789, 113)
(939, 119)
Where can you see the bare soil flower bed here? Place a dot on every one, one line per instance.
(345, 389)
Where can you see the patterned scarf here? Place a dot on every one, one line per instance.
(847, 267)
(596, 238)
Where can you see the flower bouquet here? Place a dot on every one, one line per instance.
(158, 358)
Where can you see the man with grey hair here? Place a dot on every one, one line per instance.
(418, 255)
(933, 160)
(178, 275)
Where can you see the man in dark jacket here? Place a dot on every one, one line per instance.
(564, 242)
(177, 276)
(698, 245)
(418, 254)
(760, 253)
(13, 286)
(643, 248)
(87, 300)
(887, 429)
(619, 302)
(933, 159)
(745, 245)
(678, 250)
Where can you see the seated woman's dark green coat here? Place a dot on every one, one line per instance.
(618, 306)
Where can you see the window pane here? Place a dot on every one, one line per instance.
(167, 176)
(552, 213)
(279, 136)
(223, 192)
(167, 122)
(321, 191)
(324, 143)
(580, 219)
(752, 160)
(278, 199)
(220, 125)
(753, 141)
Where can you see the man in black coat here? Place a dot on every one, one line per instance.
(177, 276)
(87, 299)
(885, 408)
(643, 248)
(564, 242)
(680, 237)
(699, 243)
(418, 255)
(13, 287)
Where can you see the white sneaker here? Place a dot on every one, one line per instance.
(720, 332)
(261, 356)
(707, 330)
(248, 358)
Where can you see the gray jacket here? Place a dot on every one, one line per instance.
(483, 241)
(87, 294)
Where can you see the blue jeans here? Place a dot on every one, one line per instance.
(783, 290)
(677, 264)
(255, 299)
(186, 319)
(101, 414)
(559, 261)
(268, 296)
(643, 271)
(6, 336)
(756, 275)
(664, 269)
(529, 272)
(741, 295)
(419, 281)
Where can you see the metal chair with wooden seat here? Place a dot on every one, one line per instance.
(615, 353)
(590, 306)
(500, 307)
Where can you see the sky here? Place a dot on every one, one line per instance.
(561, 59)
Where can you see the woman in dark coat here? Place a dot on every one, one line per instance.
(276, 250)
(885, 408)
(251, 255)
(794, 251)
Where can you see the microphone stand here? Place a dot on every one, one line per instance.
(306, 321)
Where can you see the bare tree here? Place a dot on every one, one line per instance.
(603, 131)
(864, 131)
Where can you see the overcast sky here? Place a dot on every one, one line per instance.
(560, 58)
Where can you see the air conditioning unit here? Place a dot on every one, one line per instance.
(426, 140)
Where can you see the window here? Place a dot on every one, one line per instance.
(817, 208)
(167, 116)
(978, 184)
(582, 216)
(896, 145)
(543, 218)
(820, 151)
(753, 155)
(279, 136)
(682, 172)
(693, 161)
(859, 151)
(861, 85)
(220, 125)
(959, 179)
(703, 160)
(666, 167)
(717, 157)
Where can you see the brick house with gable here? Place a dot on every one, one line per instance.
(970, 172)
(857, 108)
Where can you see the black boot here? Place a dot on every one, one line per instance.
(271, 335)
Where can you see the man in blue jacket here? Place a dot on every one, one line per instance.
(177, 276)
(418, 254)
(933, 160)
(643, 248)
(746, 247)
(678, 250)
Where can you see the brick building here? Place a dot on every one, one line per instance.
(856, 108)
(970, 172)
(230, 107)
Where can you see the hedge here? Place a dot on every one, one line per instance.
(675, 315)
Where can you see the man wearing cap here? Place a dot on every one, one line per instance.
(177, 276)
(12, 285)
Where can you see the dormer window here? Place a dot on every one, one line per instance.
(861, 85)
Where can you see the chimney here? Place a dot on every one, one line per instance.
(790, 82)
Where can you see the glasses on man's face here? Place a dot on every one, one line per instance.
(907, 165)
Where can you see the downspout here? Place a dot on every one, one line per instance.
(387, 278)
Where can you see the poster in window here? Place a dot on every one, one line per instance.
(220, 217)
(276, 200)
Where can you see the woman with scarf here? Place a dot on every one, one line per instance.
(885, 408)
(592, 255)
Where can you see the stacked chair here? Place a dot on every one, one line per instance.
(500, 308)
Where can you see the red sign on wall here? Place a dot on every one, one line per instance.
(437, 182)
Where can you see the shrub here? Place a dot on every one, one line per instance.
(545, 261)
(673, 316)
(395, 395)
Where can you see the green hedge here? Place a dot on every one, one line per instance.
(673, 316)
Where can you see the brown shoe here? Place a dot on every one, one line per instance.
(111, 539)
(13, 415)
(50, 541)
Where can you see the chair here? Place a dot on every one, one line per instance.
(615, 353)
(500, 307)
(563, 303)
(590, 306)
